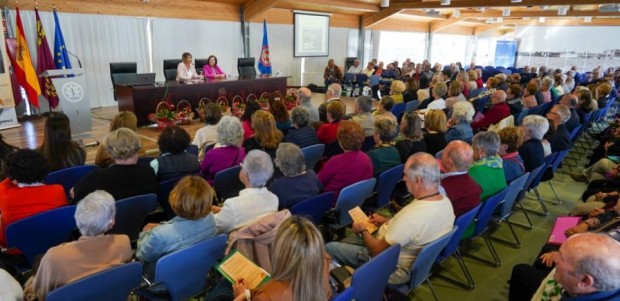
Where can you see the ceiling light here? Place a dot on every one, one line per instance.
(445, 2)
(385, 3)
(587, 19)
(456, 13)
(542, 20)
(515, 1)
(506, 12)
(562, 10)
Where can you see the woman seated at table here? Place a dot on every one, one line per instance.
(212, 70)
(186, 70)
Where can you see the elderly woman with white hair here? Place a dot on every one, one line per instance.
(253, 202)
(226, 152)
(531, 151)
(459, 125)
(298, 183)
(487, 169)
(94, 252)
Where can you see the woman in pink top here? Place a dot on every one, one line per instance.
(212, 70)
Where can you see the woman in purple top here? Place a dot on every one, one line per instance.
(350, 167)
(212, 70)
(227, 151)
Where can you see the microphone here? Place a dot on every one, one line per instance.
(75, 56)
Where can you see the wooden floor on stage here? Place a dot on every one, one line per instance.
(30, 133)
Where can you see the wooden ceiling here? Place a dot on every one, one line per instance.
(473, 16)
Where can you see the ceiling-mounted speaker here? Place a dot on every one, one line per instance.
(563, 10)
(506, 12)
(385, 3)
(456, 13)
(445, 2)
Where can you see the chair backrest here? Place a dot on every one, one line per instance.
(122, 68)
(131, 213)
(412, 106)
(574, 134)
(199, 63)
(146, 160)
(346, 295)
(171, 64)
(185, 272)
(548, 161)
(227, 184)
(245, 67)
(170, 74)
(370, 279)
(368, 144)
(34, 235)
(315, 207)
(533, 174)
(164, 192)
(386, 182)
(348, 77)
(361, 78)
(424, 261)
(192, 149)
(486, 211)
(460, 224)
(558, 159)
(374, 80)
(398, 109)
(112, 284)
(352, 196)
(520, 117)
(312, 155)
(332, 149)
(69, 176)
(514, 187)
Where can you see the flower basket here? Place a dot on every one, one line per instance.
(202, 108)
(290, 99)
(263, 101)
(164, 115)
(185, 115)
(251, 97)
(238, 106)
(223, 103)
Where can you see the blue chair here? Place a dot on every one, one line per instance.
(533, 174)
(398, 109)
(368, 144)
(184, 272)
(69, 176)
(520, 117)
(506, 207)
(482, 222)
(386, 182)
(370, 280)
(227, 184)
(555, 165)
(506, 71)
(112, 284)
(348, 78)
(421, 267)
(500, 68)
(192, 149)
(146, 160)
(534, 185)
(452, 247)
(164, 192)
(34, 235)
(131, 213)
(346, 295)
(412, 106)
(374, 80)
(313, 154)
(352, 196)
(315, 207)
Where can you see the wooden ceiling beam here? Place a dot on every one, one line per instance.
(327, 5)
(253, 8)
(439, 25)
(480, 29)
(379, 17)
(539, 13)
(492, 3)
(564, 22)
(418, 13)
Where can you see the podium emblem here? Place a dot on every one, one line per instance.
(73, 92)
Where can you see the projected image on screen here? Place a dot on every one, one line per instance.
(311, 35)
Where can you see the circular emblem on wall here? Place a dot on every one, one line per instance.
(73, 92)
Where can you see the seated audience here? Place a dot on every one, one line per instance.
(301, 133)
(531, 150)
(253, 202)
(227, 151)
(398, 88)
(281, 115)
(207, 135)
(126, 177)
(411, 91)
(411, 136)
(356, 67)
(332, 93)
(93, 252)
(349, 167)
(298, 183)
(385, 109)
(455, 94)
(191, 201)
(251, 107)
(304, 99)
(426, 218)
(300, 266)
(570, 100)
(327, 132)
(384, 155)
(529, 97)
(499, 110)
(58, 148)
(435, 125)
(23, 194)
(511, 138)
(585, 104)
(266, 135)
(174, 161)
(459, 127)
(456, 159)
(439, 91)
(363, 115)
(513, 99)
(5, 150)
(123, 119)
(487, 169)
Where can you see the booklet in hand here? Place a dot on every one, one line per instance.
(357, 215)
(236, 267)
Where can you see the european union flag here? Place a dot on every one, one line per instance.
(264, 62)
(61, 57)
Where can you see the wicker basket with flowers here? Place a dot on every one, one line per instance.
(164, 115)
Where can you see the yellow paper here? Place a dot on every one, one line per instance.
(238, 267)
(358, 216)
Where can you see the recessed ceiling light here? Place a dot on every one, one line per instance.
(385, 3)
(445, 2)
(506, 12)
(516, 1)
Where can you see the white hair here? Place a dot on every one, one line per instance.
(463, 111)
(229, 131)
(259, 167)
(95, 213)
(537, 125)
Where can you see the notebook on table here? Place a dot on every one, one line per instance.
(562, 223)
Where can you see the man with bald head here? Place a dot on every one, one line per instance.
(570, 100)
(460, 188)
(499, 110)
(428, 217)
(332, 93)
(304, 99)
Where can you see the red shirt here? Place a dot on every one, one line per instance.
(327, 132)
(17, 203)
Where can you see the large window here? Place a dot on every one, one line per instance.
(448, 48)
(398, 46)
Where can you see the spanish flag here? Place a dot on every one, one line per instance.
(24, 70)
